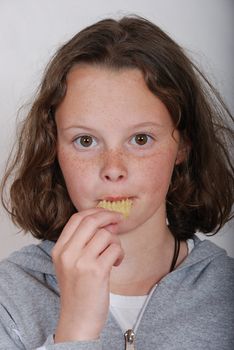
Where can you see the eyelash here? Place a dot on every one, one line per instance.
(93, 138)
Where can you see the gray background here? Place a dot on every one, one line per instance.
(31, 31)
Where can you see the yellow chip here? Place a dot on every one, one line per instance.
(123, 206)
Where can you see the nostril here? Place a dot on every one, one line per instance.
(120, 177)
(112, 172)
(114, 177)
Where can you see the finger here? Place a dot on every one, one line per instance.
(101, 240)
(88, 227)
(86, 230)
(112, 256)
(71, 227)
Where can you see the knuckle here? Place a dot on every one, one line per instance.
(100, 273)
(116, 248)
(105, 235)
(116, 240)
(88, 268)
(74, 217)
(78, 267)
(91, 220)
(65, 258)
(95, 271)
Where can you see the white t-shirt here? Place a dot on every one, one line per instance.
(127, 309)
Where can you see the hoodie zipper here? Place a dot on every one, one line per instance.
(129, 340)
(130, 334)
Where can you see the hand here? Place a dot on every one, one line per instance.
(83, 258)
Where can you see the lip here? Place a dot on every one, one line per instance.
(117, 198)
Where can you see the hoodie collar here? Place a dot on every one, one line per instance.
(38, 257)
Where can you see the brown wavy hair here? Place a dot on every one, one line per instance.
(200, 196)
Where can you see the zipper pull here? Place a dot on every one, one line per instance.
(129, 340)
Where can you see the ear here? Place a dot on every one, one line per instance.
(183, 151)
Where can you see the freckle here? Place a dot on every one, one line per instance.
(89, 163)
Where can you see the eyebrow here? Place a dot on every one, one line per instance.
(144, 124)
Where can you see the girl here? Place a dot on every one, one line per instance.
(122, 158)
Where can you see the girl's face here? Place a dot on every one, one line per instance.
(116, 140)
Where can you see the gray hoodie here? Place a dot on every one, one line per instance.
(191, 308)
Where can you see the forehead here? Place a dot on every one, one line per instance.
(105, 82)
(104, 93)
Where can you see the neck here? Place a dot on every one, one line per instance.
(148, 257)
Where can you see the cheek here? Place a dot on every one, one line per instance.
(77, 173)
(156, 172)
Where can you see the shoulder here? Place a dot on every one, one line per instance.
(210, 268)
(28, 295)
(212, 255)
(203, 291)
(30, 263)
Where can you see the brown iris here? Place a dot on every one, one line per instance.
(86, 140)
(141, 139)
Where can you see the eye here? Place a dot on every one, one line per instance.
(142, 139)
(84, 141)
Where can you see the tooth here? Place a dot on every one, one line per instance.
(122, 206)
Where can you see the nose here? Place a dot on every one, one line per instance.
(114, 168)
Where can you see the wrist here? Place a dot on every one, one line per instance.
(63, 335)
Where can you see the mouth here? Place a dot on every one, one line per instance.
(122, 205)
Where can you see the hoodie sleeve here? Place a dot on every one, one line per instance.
(9, 335)
(81, 345)
(10, 338)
